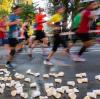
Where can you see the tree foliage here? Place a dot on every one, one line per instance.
(27, 11)
(5, 7)
(70, 6)
(3, 12)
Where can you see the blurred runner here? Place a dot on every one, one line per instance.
(83, 30)
(56, 23)
(26, 29)
(40, 36)
(98, 29)
(75, 24)
(13, 33)
(3, 32)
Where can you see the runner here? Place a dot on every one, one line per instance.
(75, 24)
(13, 33)
(39, 33)
(3, 32)
(98, 29)
(26, 28)
(83, 30)
(56, 23)
(3, 28)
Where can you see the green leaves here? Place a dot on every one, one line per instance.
(28, 11)
(3, 12)
(1, 1)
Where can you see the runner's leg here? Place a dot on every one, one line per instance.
(32, 44)
(54, 49)
(12, 43)
(45, 44)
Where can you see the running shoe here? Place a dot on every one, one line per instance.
(77, 58)
(47, 63)
(9, 65)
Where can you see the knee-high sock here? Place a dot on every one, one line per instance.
(82, 50)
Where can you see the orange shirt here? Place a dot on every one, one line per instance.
(39, 21)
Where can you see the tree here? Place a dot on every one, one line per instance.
(5, 7)
(28, 11)
(65, 3)
(3, 12)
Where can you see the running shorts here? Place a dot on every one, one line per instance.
(57, 40)
(26, 35)
(84, 36)
(39, 35)
(12, 42)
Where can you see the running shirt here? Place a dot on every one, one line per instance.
(14, 29)
(56, 19)
(76, 21)
(39, 21)
(98, 27)
(2, 26)
(85, 20)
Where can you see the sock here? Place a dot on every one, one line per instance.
(47, 59)
(82, 50)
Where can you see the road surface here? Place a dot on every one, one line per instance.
(61, 63)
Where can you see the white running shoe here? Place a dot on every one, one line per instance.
(72, 55)
(78, 59)
(47, 63)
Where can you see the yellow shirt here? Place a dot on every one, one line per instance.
(56, 18)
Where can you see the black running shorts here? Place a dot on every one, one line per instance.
(39, 35)
(57, 41)
(12, 42)
(84, 36)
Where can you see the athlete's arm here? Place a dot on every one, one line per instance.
(93, 17)
(2, 30)
(14, 23)
(90, 15)
(51, 24)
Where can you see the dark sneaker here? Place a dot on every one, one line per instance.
(9, 66)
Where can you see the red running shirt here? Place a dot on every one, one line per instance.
(84, 24)
(98, 28)
(2, 34)
(39, 21)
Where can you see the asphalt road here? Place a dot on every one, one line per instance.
(61, 63)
